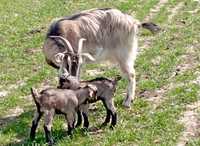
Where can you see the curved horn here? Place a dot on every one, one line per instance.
(89, 56)
(80, 45)
(65, 41)
(70, 64)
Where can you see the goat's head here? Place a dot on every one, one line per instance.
(71, 82)
(92, 92)
(70, 63)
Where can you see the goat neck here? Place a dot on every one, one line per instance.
(82, 94)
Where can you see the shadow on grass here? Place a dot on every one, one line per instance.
(18, 128)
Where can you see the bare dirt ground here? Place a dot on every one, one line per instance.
(18, 84)
(175, 10)
(11, 115)
(190, 118)
(155, 10)
(191, 122)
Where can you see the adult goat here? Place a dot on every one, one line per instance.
(110, 35)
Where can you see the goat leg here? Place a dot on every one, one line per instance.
(48, 119)
(109, 105)
(108, 113)
(48, 135)
(84, 109)
(107, 120)
(35, 122)
(70, 129)
(70, 117)
(79, 121)
(86, 121)
(114, 119)
(128, 69)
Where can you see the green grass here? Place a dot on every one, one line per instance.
(142, 124)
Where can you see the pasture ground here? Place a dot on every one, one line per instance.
(167, 108)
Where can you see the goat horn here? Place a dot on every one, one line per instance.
(65, 41)
(89, 56)
(70, 64)
(80, 45)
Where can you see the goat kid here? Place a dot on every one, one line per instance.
(105, 92)
(110, 35)
(59, 101)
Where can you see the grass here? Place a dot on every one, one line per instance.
(21, 59)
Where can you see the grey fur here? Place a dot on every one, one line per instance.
(61, 101)
(105, 92)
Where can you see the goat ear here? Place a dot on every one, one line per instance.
(91, 93)
(89, 56)
(93, 87)
(83, 85)
(59, 57)
(92, 90)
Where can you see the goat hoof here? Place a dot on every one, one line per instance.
(112, 127)
(85, 129)
(103, 125)
(127, 104)
(50, 143)
(32, 138)
(77, 125)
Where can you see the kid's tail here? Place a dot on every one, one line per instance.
(35, 96)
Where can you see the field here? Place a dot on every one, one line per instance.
(166, 111)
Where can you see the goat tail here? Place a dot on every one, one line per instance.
(154, 28)
(35, 96)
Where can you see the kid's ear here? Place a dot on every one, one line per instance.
(93, 87)
(92, 90)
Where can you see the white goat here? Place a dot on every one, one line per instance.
(110, 35)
